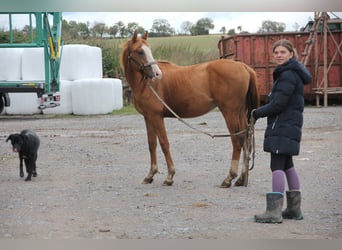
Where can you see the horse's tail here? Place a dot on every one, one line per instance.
(252, 97)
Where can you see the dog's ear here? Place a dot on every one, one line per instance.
(9, 138)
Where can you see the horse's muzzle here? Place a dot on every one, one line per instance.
(156, 72)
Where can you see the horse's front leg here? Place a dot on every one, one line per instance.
(165, 146)
(152, 146)
(171, 170)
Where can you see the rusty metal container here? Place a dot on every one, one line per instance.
(256, 51)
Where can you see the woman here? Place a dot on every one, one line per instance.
(282, 138)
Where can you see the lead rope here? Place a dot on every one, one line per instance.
(250, 135)
(187, 124)
(249, 130)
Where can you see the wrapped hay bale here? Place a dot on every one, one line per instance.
(80, 61)
(93, 96)
(10, 64)
(117, 93)
(23, 104)
(33, 65)
(65, 107)
(32, 68)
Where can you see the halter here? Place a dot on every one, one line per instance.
(141, 66)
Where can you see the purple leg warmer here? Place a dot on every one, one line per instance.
(278, 181)
(292, 179)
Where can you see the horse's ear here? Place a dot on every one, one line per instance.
(135, 35)
(145, 35)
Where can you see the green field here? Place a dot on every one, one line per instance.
(181, 50)
(186, 50)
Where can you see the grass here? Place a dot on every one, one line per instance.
(182, 50)
(185, 50)
(126, 110)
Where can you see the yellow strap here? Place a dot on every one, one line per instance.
(53, 56)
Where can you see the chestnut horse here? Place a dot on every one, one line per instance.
(189, 91)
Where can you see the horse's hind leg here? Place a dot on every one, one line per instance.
(234, 166)
(243, 179)
(235, 124)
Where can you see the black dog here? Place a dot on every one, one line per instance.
(26, 144)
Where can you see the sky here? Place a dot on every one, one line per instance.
(231, 14)
(250, 21)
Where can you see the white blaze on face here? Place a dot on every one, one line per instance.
(156, 70)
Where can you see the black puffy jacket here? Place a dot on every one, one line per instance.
(285, 108)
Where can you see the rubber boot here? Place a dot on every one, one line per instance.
(274, 206)
(293, 210)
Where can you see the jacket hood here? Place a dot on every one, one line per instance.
(297, 67)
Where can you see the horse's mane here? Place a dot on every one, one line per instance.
(124, 48)
(165, 62)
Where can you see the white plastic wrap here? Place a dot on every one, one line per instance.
(80, 62)
(33, 65)
(65, 107)
(117, 93)
(23, 104)
(93, 96)
(83, 90)
(10, 64)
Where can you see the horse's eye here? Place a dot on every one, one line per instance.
(140, 52)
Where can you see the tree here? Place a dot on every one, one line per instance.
(26, 29)
(271, 26)
(131, 27)
(296, 26)
(69, 30)
(186, 27)
(161, 27)
(231, 32)
(113, 30)
(122, 29)
(223, 30)
(202, 26)
(99, 29)
(26, 32)
(84, 30)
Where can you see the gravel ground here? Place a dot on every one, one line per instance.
(90, 171)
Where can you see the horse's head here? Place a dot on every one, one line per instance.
(137, 54)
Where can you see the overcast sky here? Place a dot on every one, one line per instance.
(250, 21)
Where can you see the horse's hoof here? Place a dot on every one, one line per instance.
(21, 175)
(167, 183)
(27, 179)
(147, 181)
(34, 174)
(225, 184)
(242, 181)
(239, 183)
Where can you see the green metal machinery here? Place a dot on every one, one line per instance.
(41, 34)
